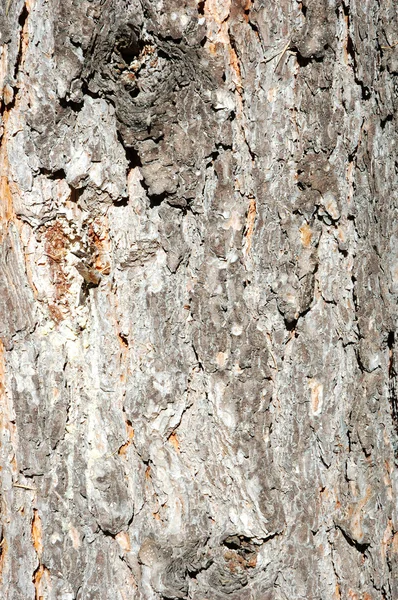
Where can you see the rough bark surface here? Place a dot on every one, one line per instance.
(198, 299)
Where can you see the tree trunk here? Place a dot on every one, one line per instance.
(198, 299)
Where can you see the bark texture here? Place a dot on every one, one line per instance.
(198, 299)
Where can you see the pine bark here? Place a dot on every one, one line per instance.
(198, 299)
